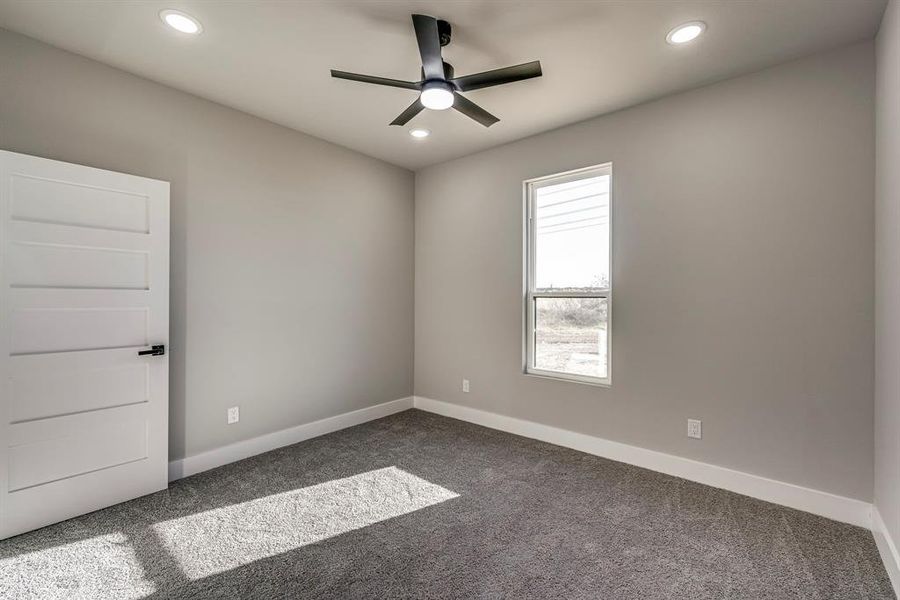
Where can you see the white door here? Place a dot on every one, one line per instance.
(84, 287)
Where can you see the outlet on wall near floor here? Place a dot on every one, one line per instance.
(234, 415)
(695, 428)
(466, 385)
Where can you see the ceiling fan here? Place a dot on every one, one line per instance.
(439, 89)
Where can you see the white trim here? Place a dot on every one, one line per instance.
(888, 550)
(839, 508)
(246, 448)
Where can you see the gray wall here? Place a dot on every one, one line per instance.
(743, 274)
(292, 258)
(743, 263)
(887, 272)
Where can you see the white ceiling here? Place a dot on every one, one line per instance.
(272, 58)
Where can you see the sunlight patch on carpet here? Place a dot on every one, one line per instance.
(101, 567)
(225, 538)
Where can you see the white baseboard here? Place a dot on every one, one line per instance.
(888, 550)
(839, 508)
(270, 441)
(832, 506)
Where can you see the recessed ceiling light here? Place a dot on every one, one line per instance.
(686, 32)
(419, 133)
(180, 21)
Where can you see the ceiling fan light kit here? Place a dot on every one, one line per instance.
(438, 88)
(437, 95)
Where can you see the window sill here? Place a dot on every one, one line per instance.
(568, 378)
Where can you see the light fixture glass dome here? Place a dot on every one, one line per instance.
(686, 32)
(180, 21)
(437, 95)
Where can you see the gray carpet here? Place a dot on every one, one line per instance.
(421, 506)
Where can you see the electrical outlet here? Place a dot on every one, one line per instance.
(695, 428)
(234, 415)
(466, 386)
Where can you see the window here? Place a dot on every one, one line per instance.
(567, 275)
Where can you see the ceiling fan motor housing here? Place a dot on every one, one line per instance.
(448, 72)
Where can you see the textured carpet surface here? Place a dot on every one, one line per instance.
(421, 506)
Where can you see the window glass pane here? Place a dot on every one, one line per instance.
(570, 335)
(572, 235)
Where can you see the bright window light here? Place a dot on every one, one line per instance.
(686, 32)
(232, 535)
(180, 21)
(87, 566)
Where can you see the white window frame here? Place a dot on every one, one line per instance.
(529, 295)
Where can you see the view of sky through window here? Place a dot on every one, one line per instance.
(572, 235)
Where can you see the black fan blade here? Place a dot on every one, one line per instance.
(409, 85)
(477, 81)
(473, 111)
(411, 111)
(429, 46)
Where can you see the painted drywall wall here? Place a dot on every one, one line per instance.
(743, 274)
(887, 271)
(292, 258)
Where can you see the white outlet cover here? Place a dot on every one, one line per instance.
(466, 385)
(695, 428)
(234, 415)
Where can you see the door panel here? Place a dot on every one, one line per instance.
(45, 330)
(76, 383)
(62, 266)
(53, 449)
(44, 200)
(84, 265)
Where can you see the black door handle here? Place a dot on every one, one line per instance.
(157, 350)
